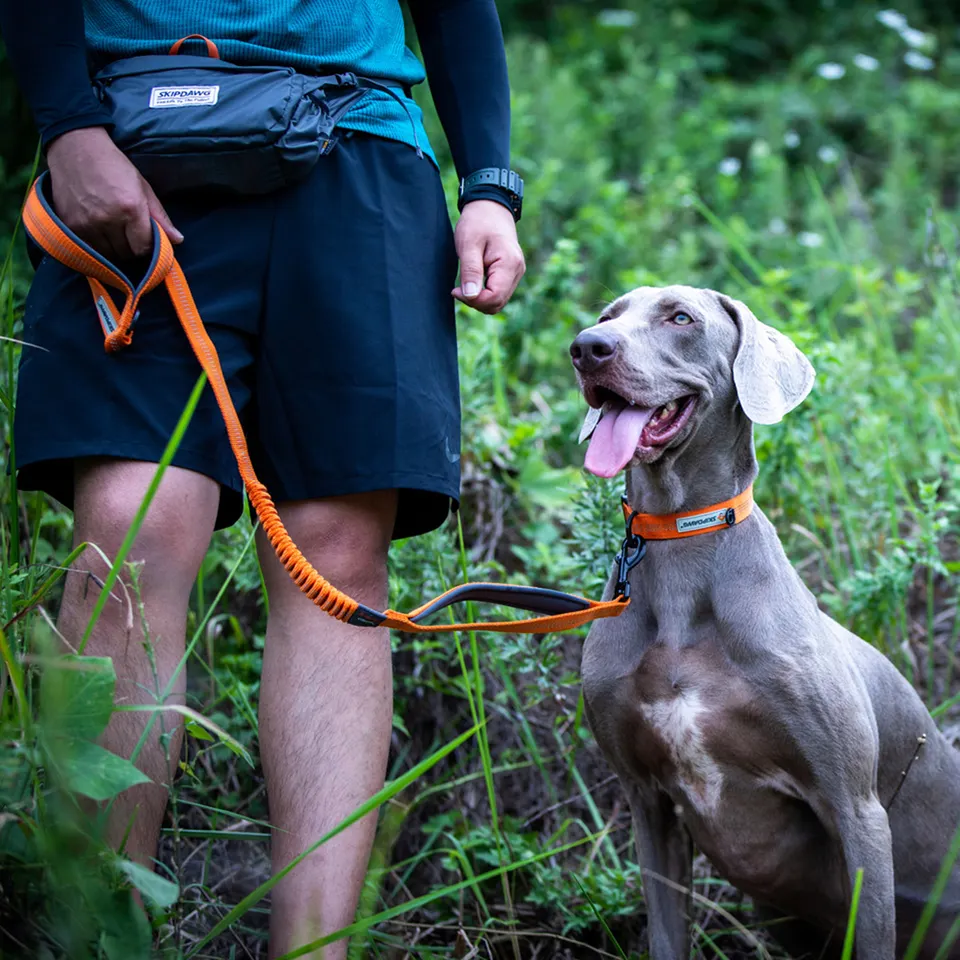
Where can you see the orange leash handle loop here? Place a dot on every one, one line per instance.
(61, 243)
(559, 611)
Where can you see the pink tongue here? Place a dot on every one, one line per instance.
(615, 440)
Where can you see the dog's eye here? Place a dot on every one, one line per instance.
(604, 319)
(681, 319)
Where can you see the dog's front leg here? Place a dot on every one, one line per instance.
(864, 834)
(666, 858)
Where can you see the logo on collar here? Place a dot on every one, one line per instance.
(701, 521)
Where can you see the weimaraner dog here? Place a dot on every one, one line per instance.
(737, 715)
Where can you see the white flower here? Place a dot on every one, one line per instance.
(777, 226)
(866, 62)
(760, 149)
(918, 61)
(686, 200)
(807, 239)
(729, 166)
(791, 139)
(831, 71)
(915, 38)
(892, 19)
(828, 154)
(616, 18)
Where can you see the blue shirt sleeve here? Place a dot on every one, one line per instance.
(46, 49)
(462, 46)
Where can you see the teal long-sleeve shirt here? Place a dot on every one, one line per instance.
(366, 38)
(55, 45)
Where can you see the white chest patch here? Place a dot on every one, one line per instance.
(677, 722)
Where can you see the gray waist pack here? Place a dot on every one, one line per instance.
(190, 122)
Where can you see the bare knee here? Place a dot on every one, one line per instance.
(345, 538)
(175, 531)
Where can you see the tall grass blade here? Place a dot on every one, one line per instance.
(381, 796)
(603, 923)
(421, 901)
(168, 454)
(933, 901)
(852, 917)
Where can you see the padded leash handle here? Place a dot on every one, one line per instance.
(558, 611)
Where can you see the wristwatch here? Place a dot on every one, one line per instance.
(478, 183)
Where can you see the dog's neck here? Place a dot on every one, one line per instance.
(682, 587)
(706, 472)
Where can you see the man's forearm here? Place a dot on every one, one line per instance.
(462, 46)
(46, 48)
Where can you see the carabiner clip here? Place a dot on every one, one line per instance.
(633, 548)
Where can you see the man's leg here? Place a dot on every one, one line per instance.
(326, 709)
(171, 543)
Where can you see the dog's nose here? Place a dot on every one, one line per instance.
(592, 349)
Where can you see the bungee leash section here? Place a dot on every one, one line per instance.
(556, 611)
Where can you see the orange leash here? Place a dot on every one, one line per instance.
(558, 611)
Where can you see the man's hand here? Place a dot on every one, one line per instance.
(99, 194)
(486, 240)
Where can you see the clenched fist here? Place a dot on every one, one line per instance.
(99, 194)
(491, 261)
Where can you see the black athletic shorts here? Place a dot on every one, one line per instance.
(329, 303)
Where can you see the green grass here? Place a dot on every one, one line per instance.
(500, 827)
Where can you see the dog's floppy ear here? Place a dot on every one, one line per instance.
(770, 373)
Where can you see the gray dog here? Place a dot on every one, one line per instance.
(737, 715)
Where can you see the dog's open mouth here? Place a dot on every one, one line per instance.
(623, 430)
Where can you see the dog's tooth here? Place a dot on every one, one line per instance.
(590, 423)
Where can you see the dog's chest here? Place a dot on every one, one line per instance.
(677, 702)
(677, 722)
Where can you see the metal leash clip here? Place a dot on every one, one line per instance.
(632, 551)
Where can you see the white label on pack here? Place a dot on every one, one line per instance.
(106, 315)
(715, 518)
(163, 97)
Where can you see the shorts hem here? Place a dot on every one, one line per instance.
(425, 499)
(424, 503)
(52, 472)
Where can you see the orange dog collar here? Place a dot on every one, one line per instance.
(674, 526)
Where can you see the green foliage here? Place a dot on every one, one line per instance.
(697, 142)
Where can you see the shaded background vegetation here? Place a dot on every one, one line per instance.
(803, 156)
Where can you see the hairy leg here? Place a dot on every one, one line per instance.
(326, 708)
(171, 544)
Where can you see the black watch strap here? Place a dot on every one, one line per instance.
(481, 181)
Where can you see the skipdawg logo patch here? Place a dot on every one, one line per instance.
(713, 519)
(164, 97)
